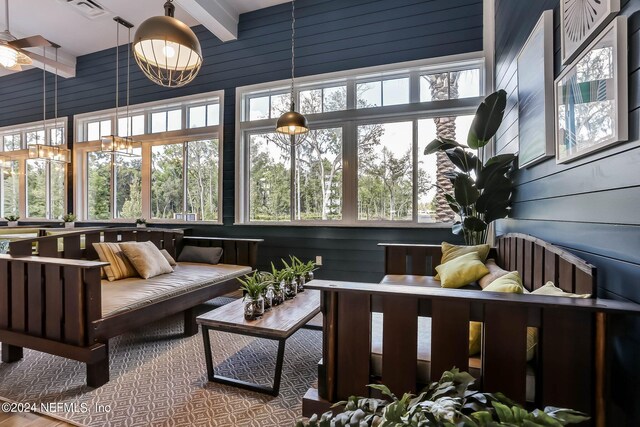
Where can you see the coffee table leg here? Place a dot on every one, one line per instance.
(274, 390)
(207, 352)
(279, 361)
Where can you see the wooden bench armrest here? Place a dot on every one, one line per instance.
(62, 262)
(221, 239)
(523, 300)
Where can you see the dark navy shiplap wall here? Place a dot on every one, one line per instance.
(590, 206)
(332, 35)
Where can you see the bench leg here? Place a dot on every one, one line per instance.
(190, 325)
(11, 353)
(98, 372)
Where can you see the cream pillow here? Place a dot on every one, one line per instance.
(450, 252)
(509, 283)
(461, 271)
(146, 258)
(119, 266)
(172, 262)
(550, 289)
(495, 272)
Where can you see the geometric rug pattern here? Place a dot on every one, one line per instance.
(158, 378)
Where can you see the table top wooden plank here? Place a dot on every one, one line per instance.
(278, 323)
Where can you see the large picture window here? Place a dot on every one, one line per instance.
(363, 162)
(174, 174)
(30, 188)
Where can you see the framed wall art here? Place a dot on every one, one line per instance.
(581, 21)
(535, 94)
(591, 96)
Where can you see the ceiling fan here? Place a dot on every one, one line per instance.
(12, 53)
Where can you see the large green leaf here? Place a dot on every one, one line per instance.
(474, 224)
(499, 165)
(457, 228)
(440, 144)
(465, 191)
(490, 199)
(463, 159)
(487, 120)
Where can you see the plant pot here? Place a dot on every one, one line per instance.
(268, 297)
(12, 223)
(309, 276)
(290, 289)
(300, 281)
(253, 307)
(69, 224)
(141, 225)
(278, 295)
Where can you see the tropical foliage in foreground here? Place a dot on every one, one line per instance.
(446, 403)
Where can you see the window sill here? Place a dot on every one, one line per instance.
(149, 222)
(345, 225)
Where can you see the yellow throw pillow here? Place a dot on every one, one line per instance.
(494, 273)
(119, 266)
(146, 258)
(461, 271)
(549, 289)
(450, 252)
(510, 283)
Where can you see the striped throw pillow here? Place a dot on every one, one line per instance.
(119, 266)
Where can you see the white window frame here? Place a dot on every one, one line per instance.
(22, 155)
(349, 120)
(82, 148)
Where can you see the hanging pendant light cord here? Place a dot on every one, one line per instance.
(293, 52)
(117, 75)
(44, 93)
(6, 15)
(129, 119)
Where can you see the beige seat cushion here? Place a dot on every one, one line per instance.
(424, 354)
(132, 293)
(146, 258)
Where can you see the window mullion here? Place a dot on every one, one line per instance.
(185, 165)
(350, 172)
(293, 192)
(416, 187)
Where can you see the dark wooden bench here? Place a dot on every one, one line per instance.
(52, 303)
(570, 363)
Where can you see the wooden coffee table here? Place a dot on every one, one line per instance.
(278, 324)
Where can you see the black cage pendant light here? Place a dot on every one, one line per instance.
(167, 50)
(292, 127)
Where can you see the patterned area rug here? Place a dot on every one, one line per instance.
(158, 378)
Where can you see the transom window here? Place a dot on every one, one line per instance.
(363, 162)
(30, 188)
(174, 174)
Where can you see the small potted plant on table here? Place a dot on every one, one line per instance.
(69, 220)
(253, 287)
(141, 223)
(276, 278)
(12, 220)
(289, 279)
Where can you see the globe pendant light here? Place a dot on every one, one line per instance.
(167, 50)
(292, 127)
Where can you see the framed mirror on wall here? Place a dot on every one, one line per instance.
(591, 96)
(535, 94)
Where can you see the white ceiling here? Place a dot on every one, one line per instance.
(57, 21)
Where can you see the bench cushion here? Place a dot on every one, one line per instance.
(424, 354)
(132, 293)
